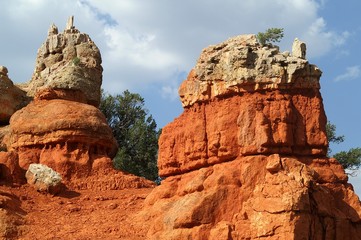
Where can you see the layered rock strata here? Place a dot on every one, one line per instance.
(43, 178)
(247, 158)
(244, 99)
(70, 138)
(62, 127)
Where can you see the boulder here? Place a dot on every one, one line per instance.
(43, 178)
(246, 199)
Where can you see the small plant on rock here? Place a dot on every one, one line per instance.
(270, 35)
(76, 61)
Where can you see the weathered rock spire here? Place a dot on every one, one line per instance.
(63, 116)
(299, 49)
(247, 157)
(68, 60)
(70, 23)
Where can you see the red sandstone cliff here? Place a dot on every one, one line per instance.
(247, 158)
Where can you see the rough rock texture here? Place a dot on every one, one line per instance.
(247, 158)
(71, 138)
(255, 197)
(10, 171)
(266, 122)
(10, 215)
(43, 178)
(12, 98)
(240, 65)
(244, 99)
(68, 60)
(62, 127)
(4, 130)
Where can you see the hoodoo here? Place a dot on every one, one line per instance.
(54, 118)
(65, 87)
(247, 157)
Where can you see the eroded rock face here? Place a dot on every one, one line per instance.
(247, 157)
(10, 171)
(256, 197)
(70, 138)
(11, 97)
(241, 65)
(68, 60)
(63, 129)
(285, 122)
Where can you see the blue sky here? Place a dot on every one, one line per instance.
(149, 46)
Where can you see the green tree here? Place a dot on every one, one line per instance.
(270, 35)
(351, 159)
(135, 131)
(331, 136)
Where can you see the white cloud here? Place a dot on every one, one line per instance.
(320, 40)
(170, 92)
(146, 43)
(137, 49)
(351, 73)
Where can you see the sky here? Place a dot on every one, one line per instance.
(149, 46)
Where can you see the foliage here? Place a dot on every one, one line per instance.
(270, 35)
(76, 61)
(351, 159)
(331, 136)
(135, 131)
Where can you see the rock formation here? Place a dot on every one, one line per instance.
(62, 127)
(244, 99)
(11, 97)
(68, 61)
(247, 158)
(299, 49)
(65, 87)
(53, 120)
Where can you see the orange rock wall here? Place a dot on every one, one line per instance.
(256, 197)
(68, 136)
(247, 157)
(266, 122)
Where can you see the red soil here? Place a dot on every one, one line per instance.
(76, 214)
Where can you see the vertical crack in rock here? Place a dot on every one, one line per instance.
(205, 132)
